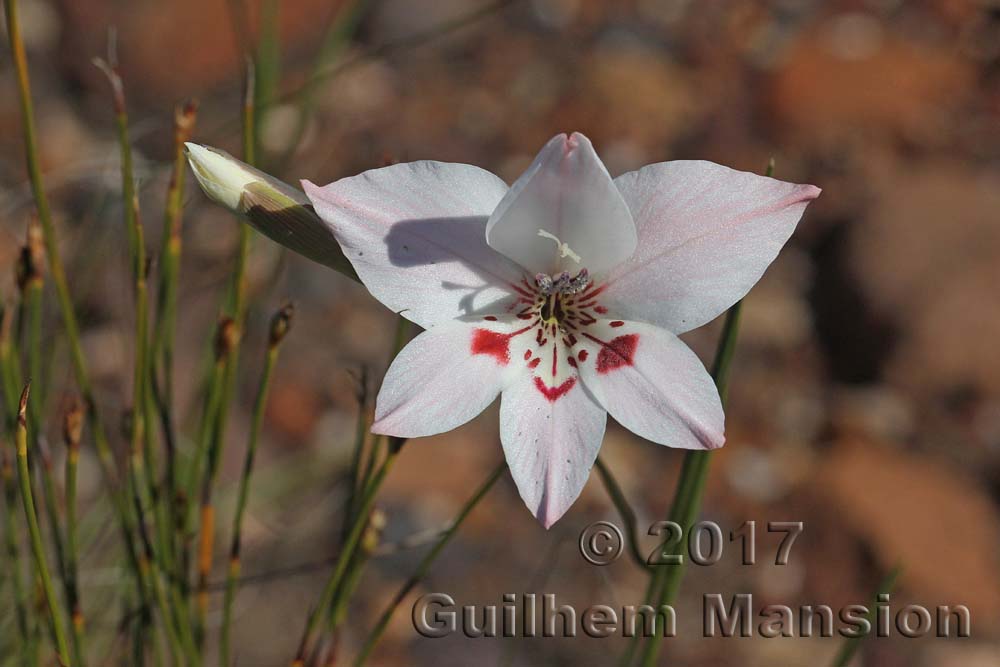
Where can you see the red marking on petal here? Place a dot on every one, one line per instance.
(555, 359)
(617, 353)
(524, 316)
(583, 355)
(490, 318)
(527, 355)
(523, 292)
(553, 393)
(571, 361)
(534, 362)
(496, 345)
(617, 323)
(601, 309)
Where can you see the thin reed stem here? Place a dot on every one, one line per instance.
(347, 551)
(355, 483)
(58, 274)
(166, 309)
(425, 564)
(625, 510)
(666, 579)
(12, 549)
(206, 464)
(236, 311)
(35, 534)
(72, 430)
(851, 645)
(342, 28)
(279, 329)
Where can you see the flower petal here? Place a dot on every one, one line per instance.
(551, 442)
(444, 377)
(415, 233)
(567, 193)
(706, 235)
(652, 383)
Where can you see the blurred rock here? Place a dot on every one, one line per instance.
(935, 521)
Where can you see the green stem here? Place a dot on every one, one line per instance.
(279, 329)
(166, 308)
(35, 534)
(425, 565)
(32, 298)
(624, 510)
(355, 483)
(666, 579)
(72, 426)
(57, 271)
(851, 645)
(13, 550)
(347, 550)
(343, 26)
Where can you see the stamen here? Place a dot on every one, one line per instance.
(562, 283)
(544, 282)
(564, 249)
(577, 284)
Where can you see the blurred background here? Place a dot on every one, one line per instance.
(865, 395)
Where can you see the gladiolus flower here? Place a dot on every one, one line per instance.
(564, 294)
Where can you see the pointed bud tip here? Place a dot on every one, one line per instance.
(22, 406)
(281, 323)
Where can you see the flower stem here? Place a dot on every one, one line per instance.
(166, 311)
(347, 550)
(624, 510)
(35, 534)
(13, 551)
(57, 271)
(338, 34)
(666, 579)
(236, 312)
(279, 328)
(425, 565)
(851, 645)
(72, 427)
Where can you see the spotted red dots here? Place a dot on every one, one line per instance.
(554, 393)
(619, 352)
(601, 309)
(490, 318)
(571, 361)
(617, 323)
(534, 362)
(527, 355)
(582, 355)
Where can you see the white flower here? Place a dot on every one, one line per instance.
(564, 294)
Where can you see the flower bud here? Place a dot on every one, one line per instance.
(281, 323)
(226, 337)
(73, 425)
(275, 209)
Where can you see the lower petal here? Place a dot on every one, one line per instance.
(550, 439)
(652, 384)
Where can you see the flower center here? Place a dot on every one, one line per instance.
(557, 299)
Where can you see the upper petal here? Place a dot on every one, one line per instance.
(415, 234)
(550, 442)
(652, 383)
(444, 377)
(567, 193)
(706, 235)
